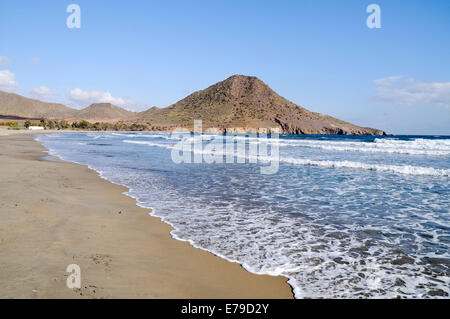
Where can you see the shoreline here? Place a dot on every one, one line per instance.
(51, 157)
(123, 251)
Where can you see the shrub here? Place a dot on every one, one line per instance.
(82, 125)
(51, 124)
(63, 124)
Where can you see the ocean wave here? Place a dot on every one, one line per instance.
(418, 146)
(150, 144)
(398, 169)
(438, 147)
(123, 134)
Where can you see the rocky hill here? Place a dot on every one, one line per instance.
(103, 112)
(247, 102)
(14, 104)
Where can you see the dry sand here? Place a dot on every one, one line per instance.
(54, 213)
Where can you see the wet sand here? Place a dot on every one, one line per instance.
(54, 213)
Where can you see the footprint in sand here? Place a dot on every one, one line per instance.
(102, 259)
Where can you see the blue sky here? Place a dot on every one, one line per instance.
(319, 54)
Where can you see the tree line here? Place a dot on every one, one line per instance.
(98, 126)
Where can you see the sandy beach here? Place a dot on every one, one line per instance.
(55, 213)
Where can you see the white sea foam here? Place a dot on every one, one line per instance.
(403, 169)
(419, 146)
(392, 146)
(122, 134)
(151, 144)
(398, 169)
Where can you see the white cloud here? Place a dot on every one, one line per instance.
(8, 81)
(43, 92)
(35, 60)
(4, 60)
(85, 98)
(408, 91)
(387, 81)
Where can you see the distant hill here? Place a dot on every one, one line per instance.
(103, 112)
(14, 104)
(247, 102)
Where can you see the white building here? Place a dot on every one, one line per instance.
(35, 128)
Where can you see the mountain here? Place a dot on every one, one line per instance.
(14, 104)
(103, 112)
(247, 102)
(239, 103)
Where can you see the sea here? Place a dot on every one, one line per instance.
(340, 217)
